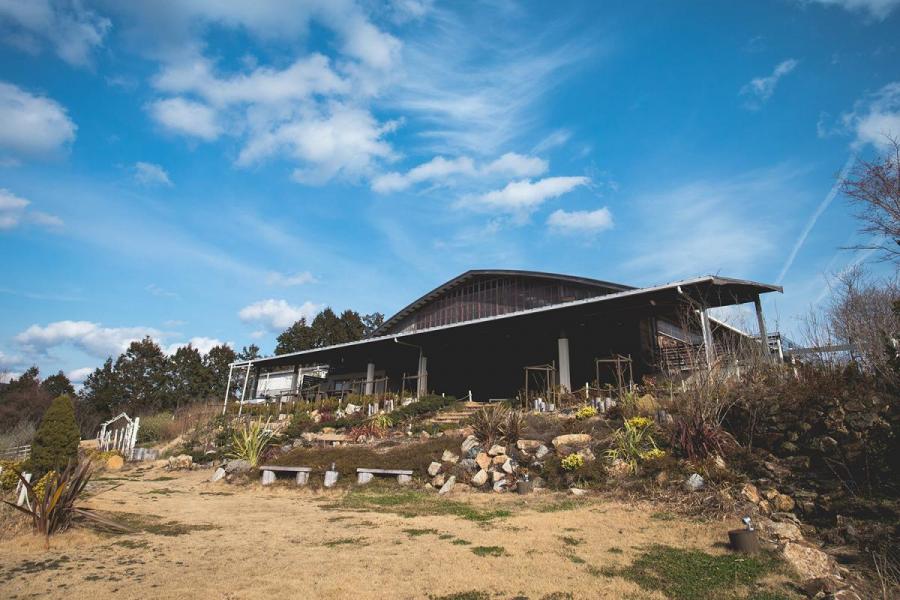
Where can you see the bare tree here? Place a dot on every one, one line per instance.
(862, 313)
(873, 186)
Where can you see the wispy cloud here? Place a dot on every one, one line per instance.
(151, 174)
(155, 290)
(289, 280)
(444, 170)
(877, 9)
(521, 198)
(14, 211)
(92, 338)
(580, 221)
(276, 315)
(74, 31)
(874, 119)
(760, 89)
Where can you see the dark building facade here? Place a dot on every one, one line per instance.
(477, 333)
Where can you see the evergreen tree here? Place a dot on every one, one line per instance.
(56, 440)
(189, 378)
(101, 393)
(354, 328)
(217, 362)
(58, 385)
(295, 338)
(250, 352)
(371, 323)
(328, 329)
(23, 399)
(142, 373)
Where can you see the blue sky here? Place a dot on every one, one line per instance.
(207, 172)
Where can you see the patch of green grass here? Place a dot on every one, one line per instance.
(692, 574)
(357, 541)
(412, 503)
(445, 536)
(164, 492)
(770, 595)
(418, 532)
(558, 596)
(461, 542)
(155, 524)
(163, 478)
(561, 505)
(217, 493)
(615, 550)
(575, 559)
(470, 595)
(489, 550)
(571, 541)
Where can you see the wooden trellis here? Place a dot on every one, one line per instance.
(119, 434)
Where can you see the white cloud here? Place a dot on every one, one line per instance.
(580, 221)
(71, 29)
(14, 212)
(77, 376)
(876, 118)
(554, 139)
(186, 117)
(92, 338)
(276, 315)
(289, 280)
(878, 9)
(33, 126)
(760, 89)
(161, 292)
(342, 140)
(8, 362)
(523, 197)
(444, 170)
(151, 174)
(264, 85)
(201, 344)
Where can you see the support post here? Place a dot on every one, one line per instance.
(708, 342)
(565, 376)
(422, 379)
(244, 390)
(370, 379)
(227, 388)
(763, 334)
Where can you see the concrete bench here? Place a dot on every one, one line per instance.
(364, 476)
(268, 473)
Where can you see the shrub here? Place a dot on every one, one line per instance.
(426, 405)
(56, 440)
(488, 423)
(157, 428)
(634, 442)
(53, 511)
(250, 441)
(572, 462)
(511, 428)
(698, 439)
(9, 476)
(586, 412)
(382, 421)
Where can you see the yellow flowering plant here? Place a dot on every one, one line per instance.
(586, 412)
(572, 462)
(634, 443)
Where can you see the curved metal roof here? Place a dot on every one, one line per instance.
(460, 279)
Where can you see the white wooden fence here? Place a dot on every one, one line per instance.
(120, 434)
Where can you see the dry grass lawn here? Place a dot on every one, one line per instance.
(204, 540)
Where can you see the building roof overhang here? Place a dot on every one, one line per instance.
(709, 291)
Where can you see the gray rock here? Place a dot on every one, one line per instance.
(448, 485)
(528, 445)
(577, 491)
(508, 466)
(434, 468)
(694, 483)
(541, 452)
(470, 447)
(497, 476)
(469, 464)
(480, 478)
(496, 450)
(237, 466)
(500, 486)
(218, 475)
(449, 457)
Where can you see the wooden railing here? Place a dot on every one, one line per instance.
(15, 453)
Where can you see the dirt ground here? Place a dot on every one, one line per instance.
(230, 542)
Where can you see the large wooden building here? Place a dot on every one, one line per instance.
(480, 330)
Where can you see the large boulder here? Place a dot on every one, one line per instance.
(572, 440)
(434, 468)
(483, 460)
(470, 447)
(780, 531)
(528, 445)
(496, 450)
(237, 466)
(809, 562)
(448, 485)
(480, 478)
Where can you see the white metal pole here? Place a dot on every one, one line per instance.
(227, 388)
(244, 390)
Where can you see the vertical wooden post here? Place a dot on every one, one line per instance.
(763, 334)
(708, 342)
